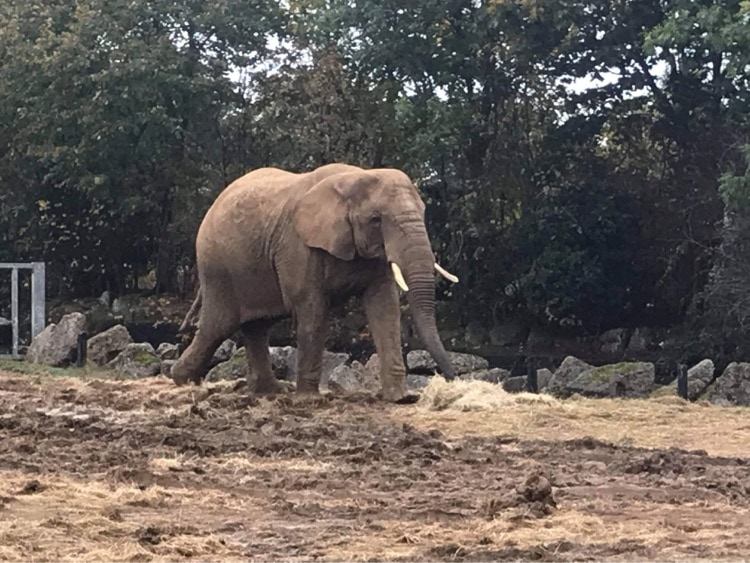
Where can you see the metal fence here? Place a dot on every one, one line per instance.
(38, 312)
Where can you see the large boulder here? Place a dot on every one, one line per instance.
(137, 360)
(224, 352)
(494, 375)
(283, 361)
(56, 344)
(420, 361)
(355, 378)
(699, 378)
(168, 351)
(626, 379)
(732, 387)
(570, 368)
(234, 368)
(104, 347)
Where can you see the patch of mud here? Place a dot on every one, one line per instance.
(186, 473)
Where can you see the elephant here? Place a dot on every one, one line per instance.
(276, 244)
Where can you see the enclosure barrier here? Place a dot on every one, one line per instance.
(38, 313)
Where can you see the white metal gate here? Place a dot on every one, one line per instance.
(38, 312)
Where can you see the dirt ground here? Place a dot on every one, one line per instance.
(94, 469)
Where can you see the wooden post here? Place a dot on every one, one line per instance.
(81, 349)
(14, 309)
(682, 381)
(532, 385)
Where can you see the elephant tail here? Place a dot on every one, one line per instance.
(192, 313)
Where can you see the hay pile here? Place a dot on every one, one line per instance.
(461, 395)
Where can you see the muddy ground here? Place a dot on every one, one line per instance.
(142, 471)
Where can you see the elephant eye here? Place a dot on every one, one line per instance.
(375, 220)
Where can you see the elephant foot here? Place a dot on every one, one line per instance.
(306, 387)
(397, 393)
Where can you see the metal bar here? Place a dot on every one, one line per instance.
(682, 381)
(17, 265)
(81, 349)
(38, 298)
(14, 308)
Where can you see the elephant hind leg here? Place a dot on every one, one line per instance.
(260, 376)
(194, 363)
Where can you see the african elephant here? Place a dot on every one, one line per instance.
(276, 243)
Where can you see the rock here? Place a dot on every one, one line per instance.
(732, 387)
(118, 306)
(415, 382)
(283, 361)
(515, 384)
(494, 375)
(224, 352)
(105, 346)
(699, 378)
(354, 378)
(626, 379)
(570, 368)
(234, 368)
(168, 351)
(56, 344)
(543, 377)
(613, 340)
(166, 367)
(137, 360)
(420, 361)
(105, 299)
(640, 340)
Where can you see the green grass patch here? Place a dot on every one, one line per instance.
(28, 368)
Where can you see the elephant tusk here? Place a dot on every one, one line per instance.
(399, 277)
(445, 273)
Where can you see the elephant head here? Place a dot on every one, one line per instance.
(378, 214)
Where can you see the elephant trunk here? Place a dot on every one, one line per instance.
(410, 249)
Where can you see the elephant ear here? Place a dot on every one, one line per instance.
(322, 215)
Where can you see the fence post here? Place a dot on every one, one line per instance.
(81, 349)
(682, 381)
(531, 381)
(14, 309)
(38, 298)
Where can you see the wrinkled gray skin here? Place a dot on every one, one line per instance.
(276, 244)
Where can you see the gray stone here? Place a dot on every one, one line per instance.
(118, 306)
(613, 340)
(166, 367)
(234, 368)
(732, 387)
(224, 352)
(283, 361)
(626, 379)
(168, 351)
(699, 378)
(416, 382)
(354, 378)
(420, 361)
(570, 368)
(105, 299)
(105, 346)
(137, 360)
(640, 340)
(543, 377)
(56, 344)
(494, 375)
(515, 384)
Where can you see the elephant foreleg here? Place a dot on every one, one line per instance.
(194, 363)
(312, 321)
(384, 317)
(260, 377)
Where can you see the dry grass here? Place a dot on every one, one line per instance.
(461, 408)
